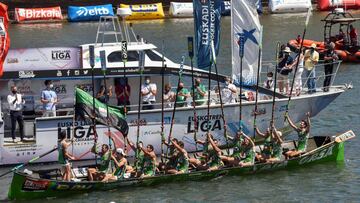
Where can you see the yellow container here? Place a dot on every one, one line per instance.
(145, 11)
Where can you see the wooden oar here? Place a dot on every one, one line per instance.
(162, 101)
(275, 82)
(191, 55)
(297, 63)
(220, 97)
(257, 82)
(29, 162)
(175, 103)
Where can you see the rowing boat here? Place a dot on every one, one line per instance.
(44, 184)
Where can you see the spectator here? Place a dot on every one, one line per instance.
(353, 36)
(311, 58)
(199, 92)
(269, 82)
(49, 100)
(104, 95)
(329, 58)
(16, 103)
(183, 94)
(148, 93)
(229, 92)
(122, 91)
(300, 70)
(284, 68)
(169, 96)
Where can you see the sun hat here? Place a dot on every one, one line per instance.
(120, 151)
(287, 49)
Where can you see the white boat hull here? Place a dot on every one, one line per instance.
(47, 129)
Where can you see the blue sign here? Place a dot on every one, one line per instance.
(89, 13)
(207, 15)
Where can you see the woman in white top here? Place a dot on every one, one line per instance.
(229, 92)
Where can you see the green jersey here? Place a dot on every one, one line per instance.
(61, 156)
(277, 150)
(149, 166)
(120, 171)
(140, 159)
(303, 139)
(104, 162)
(182, 163)
(237, 149)
(249, 154)
(180, 99)
(267, 146)
(199, 99)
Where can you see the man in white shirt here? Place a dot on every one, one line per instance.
(16, 103)
(148, 93)
(229, 92)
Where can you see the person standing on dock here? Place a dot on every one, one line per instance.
(49, 100)
(148, 93)
(311, 58)
(329, 59)
(16, 103)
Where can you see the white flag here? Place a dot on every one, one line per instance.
(245, 21)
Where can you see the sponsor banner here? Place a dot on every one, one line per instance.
(207, 29)
(4, 35)
(181, 9)
(53, 58)
(89, 13)
(35, 185)
(145, 11)
(29, 14)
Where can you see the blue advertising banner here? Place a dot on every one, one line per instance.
(89, 13)
(207, 15)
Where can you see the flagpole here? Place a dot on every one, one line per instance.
(241, 54)
(191, 56)
(103, 68)
(297, 62)
(92, 65)
(220, 96)
(257, 80)
(124, 57)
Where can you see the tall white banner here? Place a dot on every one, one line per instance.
(245, 22)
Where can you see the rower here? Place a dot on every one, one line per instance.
(182, 161)
(121, 166)
(200, 163)
(139, 164)
(276, 143)
(248, 155)
(303, 135)
(99, 173)
(215, 161)
(64, 156)
(149, 168)
(172, 156)
(235, 158)
(267, 149)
